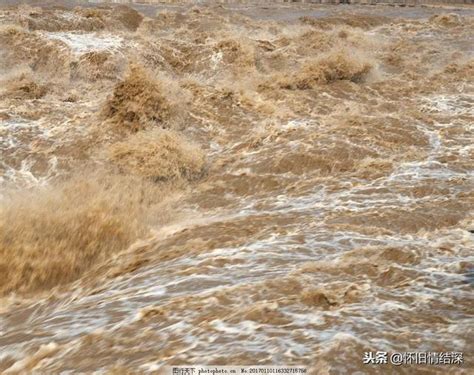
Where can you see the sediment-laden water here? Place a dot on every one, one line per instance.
(234, 186)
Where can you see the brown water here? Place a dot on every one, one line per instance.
(204, 187)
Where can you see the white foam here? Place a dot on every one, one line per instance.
(87, 42)
(216, 59)
(457, 104)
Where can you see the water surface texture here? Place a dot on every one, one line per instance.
(234, 185)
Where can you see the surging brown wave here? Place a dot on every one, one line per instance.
(80, 19)
(52, 235)
(22, 48)
(337, 65)
(140, 101)
(158, 155)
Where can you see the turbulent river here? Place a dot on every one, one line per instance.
(247, 185)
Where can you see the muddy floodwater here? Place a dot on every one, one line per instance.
(285, 184)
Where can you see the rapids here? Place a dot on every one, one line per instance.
(234, 185)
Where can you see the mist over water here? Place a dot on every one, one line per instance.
(223, 185)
